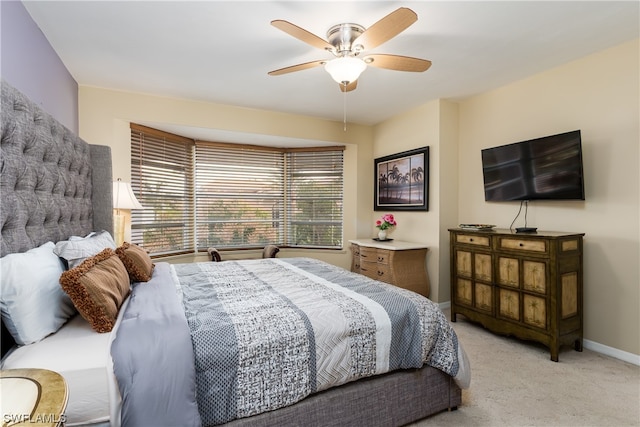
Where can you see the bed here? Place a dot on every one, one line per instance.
(161, 362)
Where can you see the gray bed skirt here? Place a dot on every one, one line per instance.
(392, 399)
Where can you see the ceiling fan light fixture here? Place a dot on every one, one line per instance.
(346, 69)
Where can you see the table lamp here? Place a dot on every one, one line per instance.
(123, 199)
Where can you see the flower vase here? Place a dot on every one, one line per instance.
(382, 235)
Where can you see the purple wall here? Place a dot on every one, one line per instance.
(30, 64)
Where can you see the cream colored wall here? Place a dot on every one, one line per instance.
(416, 128)
(435, 125)
(599, 95)
(105, 116)
(448, 161)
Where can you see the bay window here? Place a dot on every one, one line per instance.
(200, 194)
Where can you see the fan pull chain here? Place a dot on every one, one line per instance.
(344, 107)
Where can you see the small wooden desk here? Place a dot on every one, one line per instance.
(32, 397)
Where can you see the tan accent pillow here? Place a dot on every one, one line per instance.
(98, 287)
(137, 262)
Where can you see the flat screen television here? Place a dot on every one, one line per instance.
(547, 168)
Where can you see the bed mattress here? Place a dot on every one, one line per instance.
(247, 337)
(82, 357)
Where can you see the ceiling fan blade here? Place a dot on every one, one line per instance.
(298, 67)
(301, 34)
(397, 62)
(387, 28)
(351, 86)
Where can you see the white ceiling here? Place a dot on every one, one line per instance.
(221, 51)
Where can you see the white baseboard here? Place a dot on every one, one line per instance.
(444, 305)
(610, 351)
(589, 345)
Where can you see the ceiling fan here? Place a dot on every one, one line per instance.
(348, 41)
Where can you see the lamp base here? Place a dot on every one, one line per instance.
(118, 229)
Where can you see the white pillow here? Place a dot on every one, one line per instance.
(32, 303)
(77, 249)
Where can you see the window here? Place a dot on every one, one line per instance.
(162, 179)
(314, 198)
(233, 196)
(239, 196)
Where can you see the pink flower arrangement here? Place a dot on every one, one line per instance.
(387, 221)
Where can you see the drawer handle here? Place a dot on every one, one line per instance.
(380, 259)
(521, 244)
(380, 273)
(471, 239)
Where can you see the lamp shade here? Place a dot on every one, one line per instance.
(123, 197)
(346, 69)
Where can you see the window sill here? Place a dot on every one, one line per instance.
(235, 254)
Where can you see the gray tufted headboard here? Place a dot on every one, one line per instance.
(53, 185)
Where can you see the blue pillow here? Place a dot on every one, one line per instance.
(77, 249)
(32, 303)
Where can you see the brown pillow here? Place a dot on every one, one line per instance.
(137, 262)
(98, 287)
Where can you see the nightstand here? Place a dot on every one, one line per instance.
(32, 397)
(402, 264)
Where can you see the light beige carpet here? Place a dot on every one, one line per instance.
(514, 383)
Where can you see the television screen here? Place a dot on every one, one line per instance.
(543, 168)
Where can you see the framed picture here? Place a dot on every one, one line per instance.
(402, 181)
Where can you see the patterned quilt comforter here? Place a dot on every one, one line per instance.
(267, 333)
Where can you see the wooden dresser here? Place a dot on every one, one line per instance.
(528, 285)
(401, 264)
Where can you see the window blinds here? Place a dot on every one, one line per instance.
(250, 196)
(239, 196)
(200, 194)
(162, 179)
(314, 198)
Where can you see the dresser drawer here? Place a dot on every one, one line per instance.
(369, 269)
(368, 254)
(355, 249)
(376, 271)
(384, 274)
(379, 256)
(355, 258)
(528, 245)
(472, 239)
(382, 256)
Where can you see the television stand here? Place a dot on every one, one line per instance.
(525, 285)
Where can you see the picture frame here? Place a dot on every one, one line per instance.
(401, 181)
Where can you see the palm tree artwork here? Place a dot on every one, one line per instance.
(401, 181)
